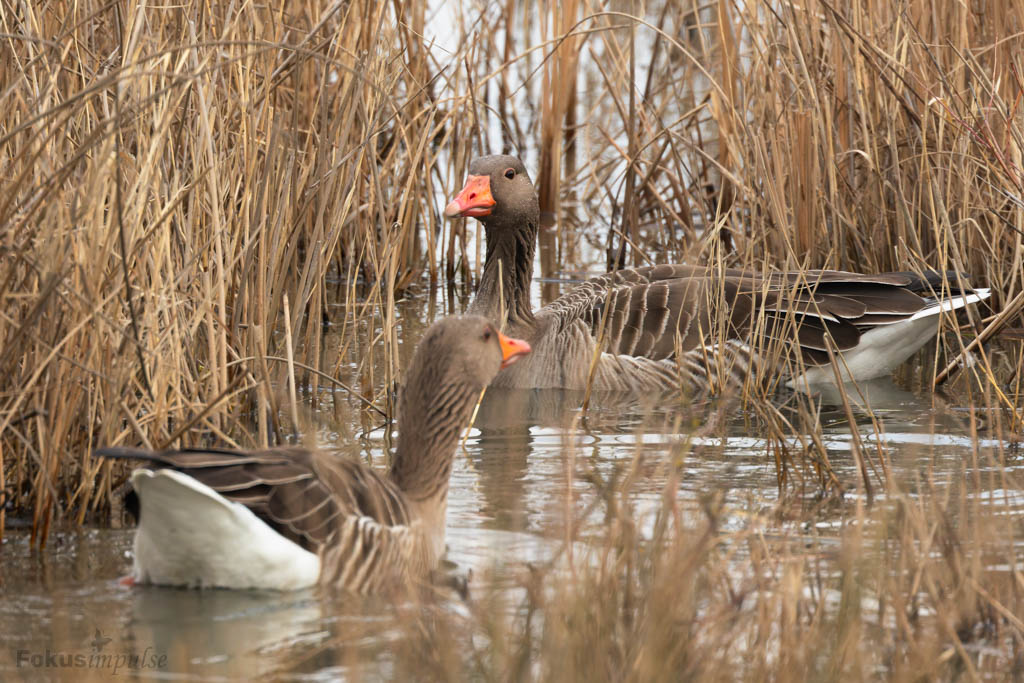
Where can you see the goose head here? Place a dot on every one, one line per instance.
(459, 351)
(498, 192)
(455, 360)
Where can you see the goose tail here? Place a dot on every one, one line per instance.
(951, 303)
(190, 535)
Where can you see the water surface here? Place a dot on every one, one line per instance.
(531, 459)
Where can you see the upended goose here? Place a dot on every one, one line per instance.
(676, 326)
(287, 518)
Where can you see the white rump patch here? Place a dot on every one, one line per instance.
(190, 535)
(884, 347)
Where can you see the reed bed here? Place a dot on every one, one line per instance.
(193, 195)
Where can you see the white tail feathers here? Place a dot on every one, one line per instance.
(952, 303)
(191, 535)
(884, 347)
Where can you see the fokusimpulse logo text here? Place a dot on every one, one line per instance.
(110, 661)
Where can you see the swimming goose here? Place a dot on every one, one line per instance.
(677, 326)
(287, 518)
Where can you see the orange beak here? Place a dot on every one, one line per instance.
(475, 199)
(511, 349)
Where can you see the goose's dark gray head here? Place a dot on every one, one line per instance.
(498, 191)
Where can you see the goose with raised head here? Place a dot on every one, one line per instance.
(288, 518)
(677, 326)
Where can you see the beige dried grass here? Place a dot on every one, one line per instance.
(172, 174)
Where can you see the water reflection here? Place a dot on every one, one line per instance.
(506, 421)
(532, 465)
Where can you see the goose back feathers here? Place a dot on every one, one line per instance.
(286, 518)
(688, 327)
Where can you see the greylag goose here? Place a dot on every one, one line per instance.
(677, 326)
(287, 518)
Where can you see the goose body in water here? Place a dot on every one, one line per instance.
(683, 327)
(288, 518)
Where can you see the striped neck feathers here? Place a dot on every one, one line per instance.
(429, 430)
(508, 271)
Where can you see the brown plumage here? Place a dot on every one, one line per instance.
(679, 326)
(327, 517)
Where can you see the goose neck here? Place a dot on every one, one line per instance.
(428, 435)
(504, 292)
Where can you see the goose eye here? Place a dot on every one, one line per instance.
(487, 334)
(510, 173)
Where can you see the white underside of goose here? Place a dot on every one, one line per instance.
(190, 535)
(884, 347)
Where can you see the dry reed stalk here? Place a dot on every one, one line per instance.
(558, 88)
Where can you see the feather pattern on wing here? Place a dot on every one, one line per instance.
(300, 493)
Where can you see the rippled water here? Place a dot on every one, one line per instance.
(529, 453)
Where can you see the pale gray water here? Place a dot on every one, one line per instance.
(508, 501)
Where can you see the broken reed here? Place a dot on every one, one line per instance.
(171, 174)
